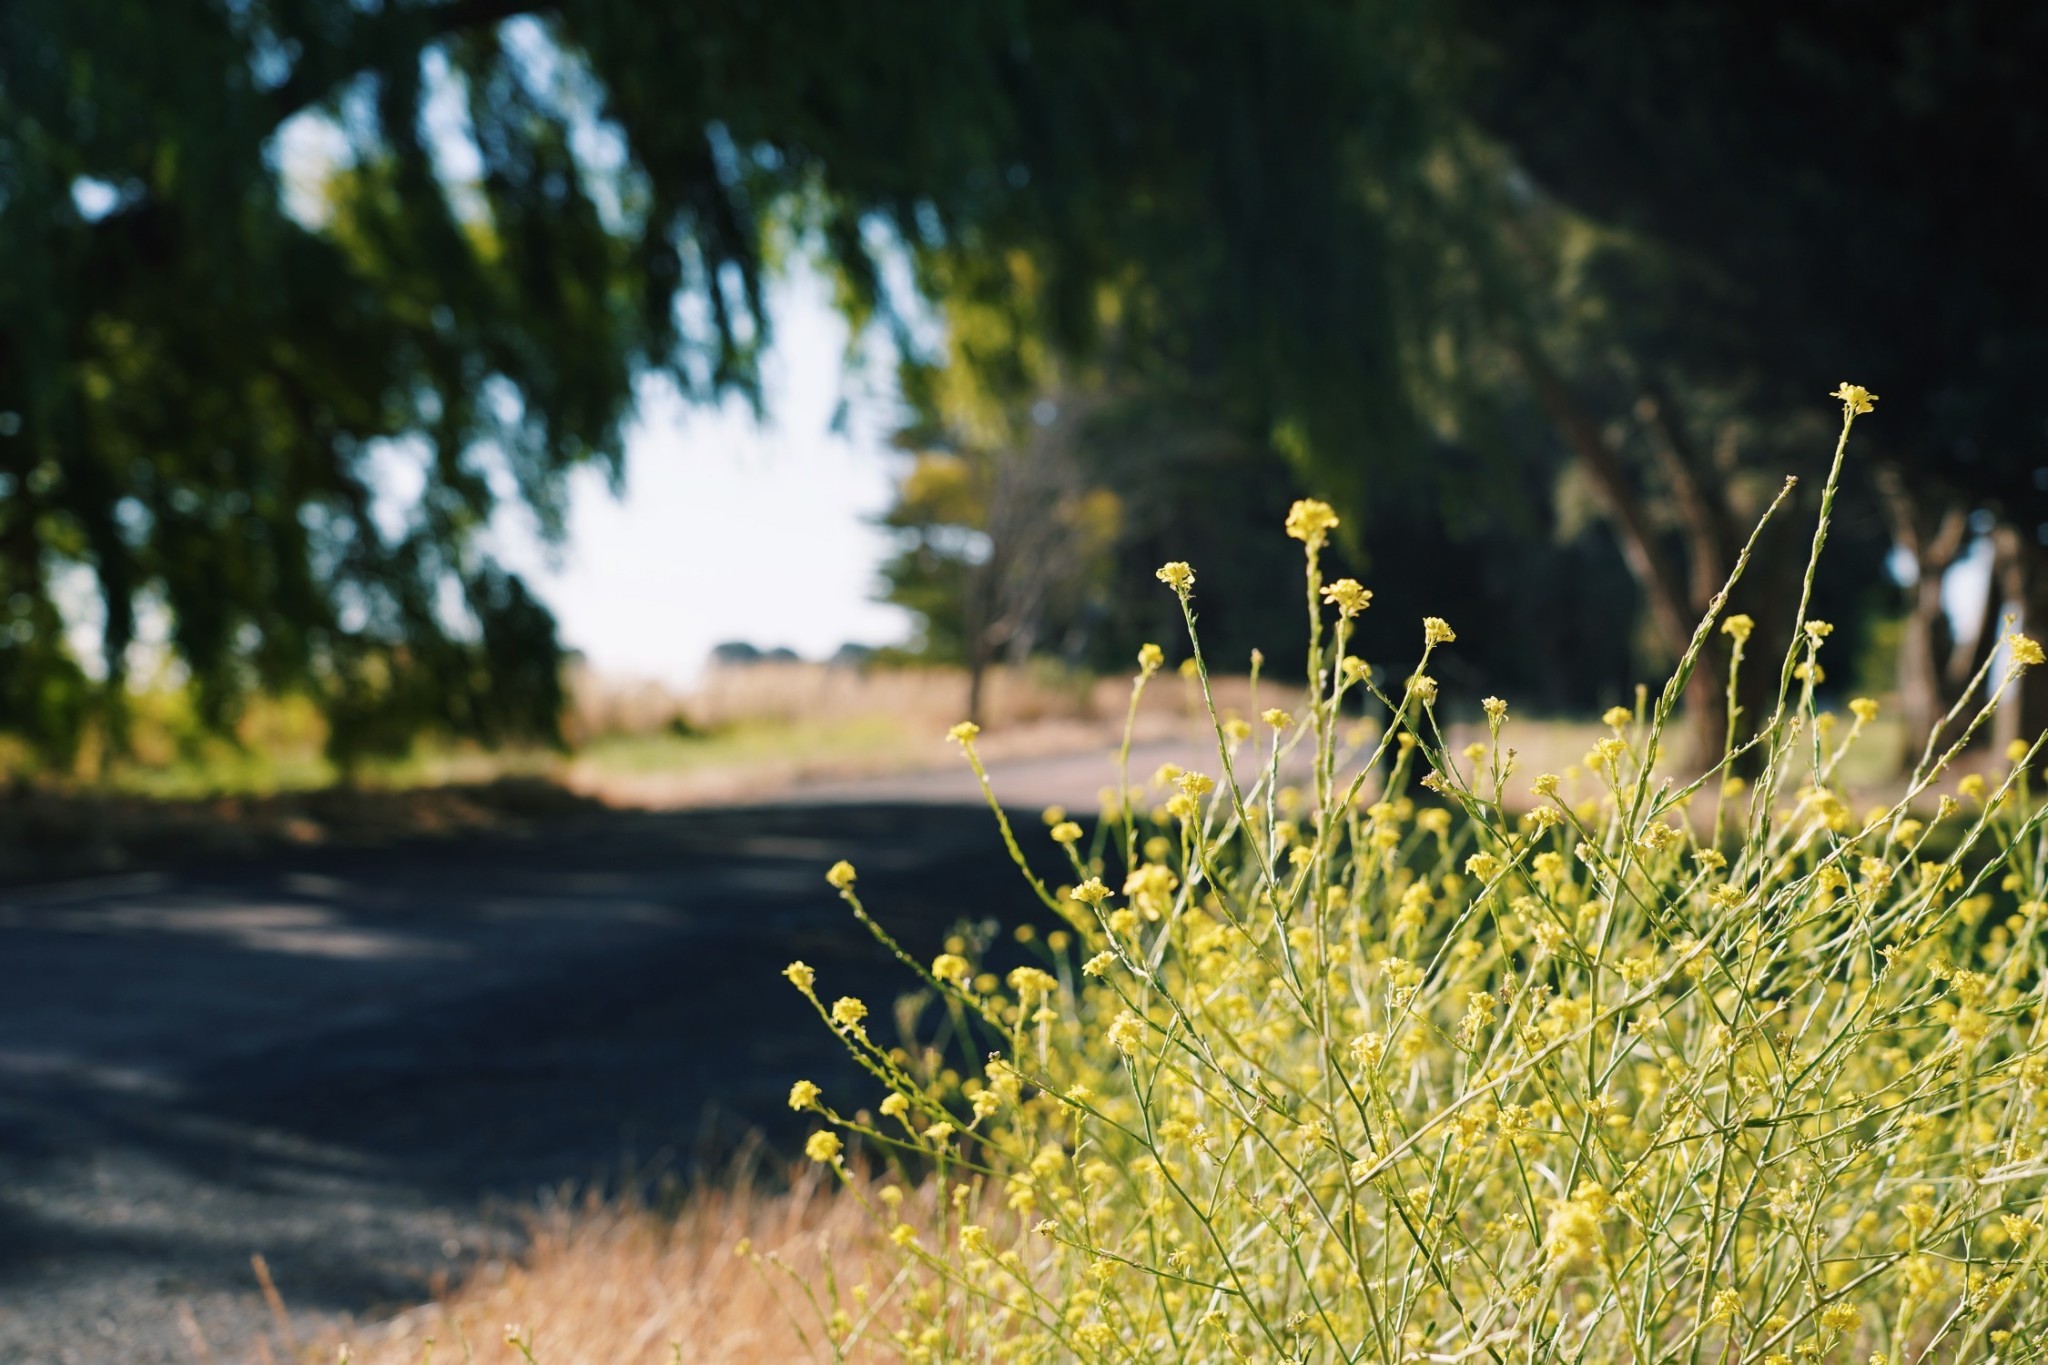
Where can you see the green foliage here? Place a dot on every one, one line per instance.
(1816, 194)
(1314, 219)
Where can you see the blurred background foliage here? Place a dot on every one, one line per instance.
(1545, 297)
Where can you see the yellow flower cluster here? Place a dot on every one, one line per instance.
(1393, 1066)
(1348, 596)
(1311, 522)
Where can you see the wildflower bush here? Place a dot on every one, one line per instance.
(1425, 1058)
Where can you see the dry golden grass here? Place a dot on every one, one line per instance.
(923, 698)
(617, 1285)
(770, 727)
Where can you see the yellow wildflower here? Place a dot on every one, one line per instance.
(1177, 576)
(822, 1146)
(841, 875)
(1349, 597)
(1855, 398)
(2024, 651)
(803, 1095)
(1573, 1231)
(1437, 631)
(847, 1011)
(964, 732)
(1918, 1211)
(1150, 887)
(1032, 981)
(1863, 708)
(1150, 658)
(1311, 522)
(1738, 626)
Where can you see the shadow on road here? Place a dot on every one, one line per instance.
(344, 1059)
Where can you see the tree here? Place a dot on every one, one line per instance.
(1370, 234)
(1152, 426)
(201, 370)
(1006, 551)
(1824, 194)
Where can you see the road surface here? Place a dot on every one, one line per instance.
(362, 1063)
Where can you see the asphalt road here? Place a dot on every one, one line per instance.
(362, 1064)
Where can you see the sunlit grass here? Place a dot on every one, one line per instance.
(206, 767)
(755, 742)
(616, 1285)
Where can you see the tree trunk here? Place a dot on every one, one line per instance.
(2023, 579)
(977, 676)
(1927, 646)
(977, 613)
(1712, 544)
(1663, 589)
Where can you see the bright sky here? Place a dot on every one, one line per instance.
(729, 529)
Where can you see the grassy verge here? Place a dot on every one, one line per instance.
(613, 1285)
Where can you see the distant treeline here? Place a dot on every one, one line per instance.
(1545, 297)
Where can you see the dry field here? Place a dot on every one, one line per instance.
(613, 1285)
(763, 729)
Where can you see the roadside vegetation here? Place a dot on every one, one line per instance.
(1721, 1069)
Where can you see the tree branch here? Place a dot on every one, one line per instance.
(1714, 540)
(376, 36)
(1669, 609)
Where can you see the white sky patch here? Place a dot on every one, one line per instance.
(307, 150)
(729, 529)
